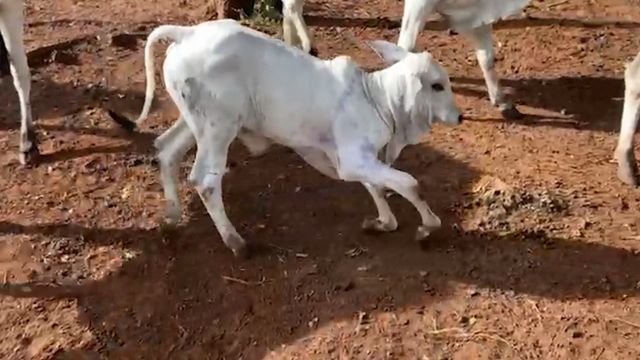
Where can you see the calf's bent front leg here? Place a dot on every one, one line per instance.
(364, 167)
(386, 221)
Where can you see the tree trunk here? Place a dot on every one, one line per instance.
(234, 8)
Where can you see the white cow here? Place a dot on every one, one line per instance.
(627, 165)
(230, 81)
(472, 18)
(11, 30)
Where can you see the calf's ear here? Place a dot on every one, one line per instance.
(390, 53)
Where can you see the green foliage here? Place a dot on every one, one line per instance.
(264, 14)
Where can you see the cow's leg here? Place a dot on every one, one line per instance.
(414, 17)
(627, 165)
(172, 146)
(293, 15)
(208, 169)
(289, 30)
(385, 221)
(482, 41)
(11, 28)
(358, 165)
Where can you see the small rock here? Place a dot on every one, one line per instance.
(313, 323)
(473, 293)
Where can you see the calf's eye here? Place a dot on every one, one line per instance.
(437, 87)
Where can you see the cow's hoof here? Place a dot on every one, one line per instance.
(313, 52)
(628, 174)
(238, 246)
(375, 226)
(510, 112)
(29, 157)
(423, 231)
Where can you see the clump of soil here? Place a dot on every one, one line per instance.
(500, 207)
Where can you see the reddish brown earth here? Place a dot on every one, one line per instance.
(538, 258)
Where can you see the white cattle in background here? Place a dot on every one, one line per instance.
(472, 18)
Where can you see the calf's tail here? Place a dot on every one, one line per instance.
(171, 32)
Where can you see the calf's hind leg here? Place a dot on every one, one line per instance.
(172, 146)
(208, 169)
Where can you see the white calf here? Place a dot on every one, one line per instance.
(627, 165)
(474, 19)
(11, 30)
(226, 80)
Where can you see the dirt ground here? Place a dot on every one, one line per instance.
(537, 259)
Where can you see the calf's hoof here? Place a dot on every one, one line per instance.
(238, 246)
(29, 157)
(628, 173)
(375, 226)
(423, 231)
(510, 112)
(313, 52)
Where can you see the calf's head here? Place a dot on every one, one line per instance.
(423, 84)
